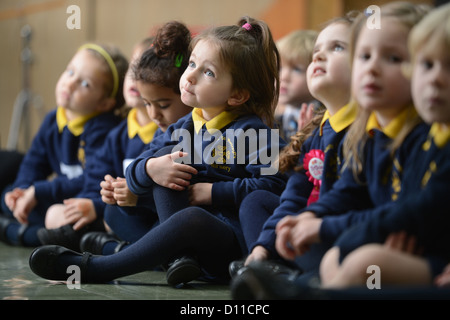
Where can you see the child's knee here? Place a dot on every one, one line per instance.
(55, 216)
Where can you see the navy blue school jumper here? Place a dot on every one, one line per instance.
(61, 149)
(122, 145)
(230, 151)
(326, 140)
(351, 201)
(422, 209)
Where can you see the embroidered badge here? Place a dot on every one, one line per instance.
(313, 164)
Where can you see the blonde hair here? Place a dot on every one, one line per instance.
(408, 14)
(297, 46)
(433, 30)
(289, 156)
(250, 53)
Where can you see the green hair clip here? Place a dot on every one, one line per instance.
(178, 60)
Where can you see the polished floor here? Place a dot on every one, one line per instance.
(18, 282)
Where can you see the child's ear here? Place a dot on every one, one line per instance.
(107, 104)
(238, 97)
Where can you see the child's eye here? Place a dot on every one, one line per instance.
(299, 69)
(70, 72)
(395, 59)
(427, 64)
(164, 107)
(209, 73)
(191, 64)
(364, 56)
(338, 48)
(84, 84)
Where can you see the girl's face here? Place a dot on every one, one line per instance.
(431, 84)
(130, 91)
(328, 74)
(206, 82)
(81, 87)
(293, 87)
(378, 81)
(164, 106)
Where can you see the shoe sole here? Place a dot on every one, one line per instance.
(183, 274)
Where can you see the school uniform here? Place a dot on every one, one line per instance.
(57, 158)
(323, 146)
(229, 151)
(62, 148)
(422, 208)
(352, 200)
(122, 145)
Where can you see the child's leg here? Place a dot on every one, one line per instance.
(55, 218)
(15, 233)
(191, 230)
(255, 209)
(130, 223)
(395, 267)
(168, 201)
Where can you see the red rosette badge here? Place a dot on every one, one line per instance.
(313, 164)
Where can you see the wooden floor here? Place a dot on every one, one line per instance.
(18, 282)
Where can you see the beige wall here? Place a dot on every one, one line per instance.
(123, 22)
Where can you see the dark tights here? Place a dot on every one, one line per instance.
(193, 230)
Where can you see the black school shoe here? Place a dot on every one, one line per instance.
(93, 242)
(64, 236)
(43, 262)
(182, 271)
(273, 266)
(267, 280)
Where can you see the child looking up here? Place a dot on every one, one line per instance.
(295, 97)
(378, 143)
(88, 93)
(66, 223)
(422, 209)
(157, 75)
(329, 81)
(232, 84)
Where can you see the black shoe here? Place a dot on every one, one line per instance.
(276, 267)
(266, 280)
(94, 241)
(236, 267)
(64, 236)
(183, 270)
(44, 262)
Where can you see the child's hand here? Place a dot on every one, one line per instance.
(79, 211)
(24, 205)
(296, 234)
(305, 116)
(123, 195)
(200, 194)
(443, 279)
(107, 191)
(403, 242)
(258, 253)
(11, 197)
(168, 173)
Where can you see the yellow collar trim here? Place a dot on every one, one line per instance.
(146, 133)
(393, 128)
(440, 134)
(75, 126)
(216, 123)
(341, 119)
